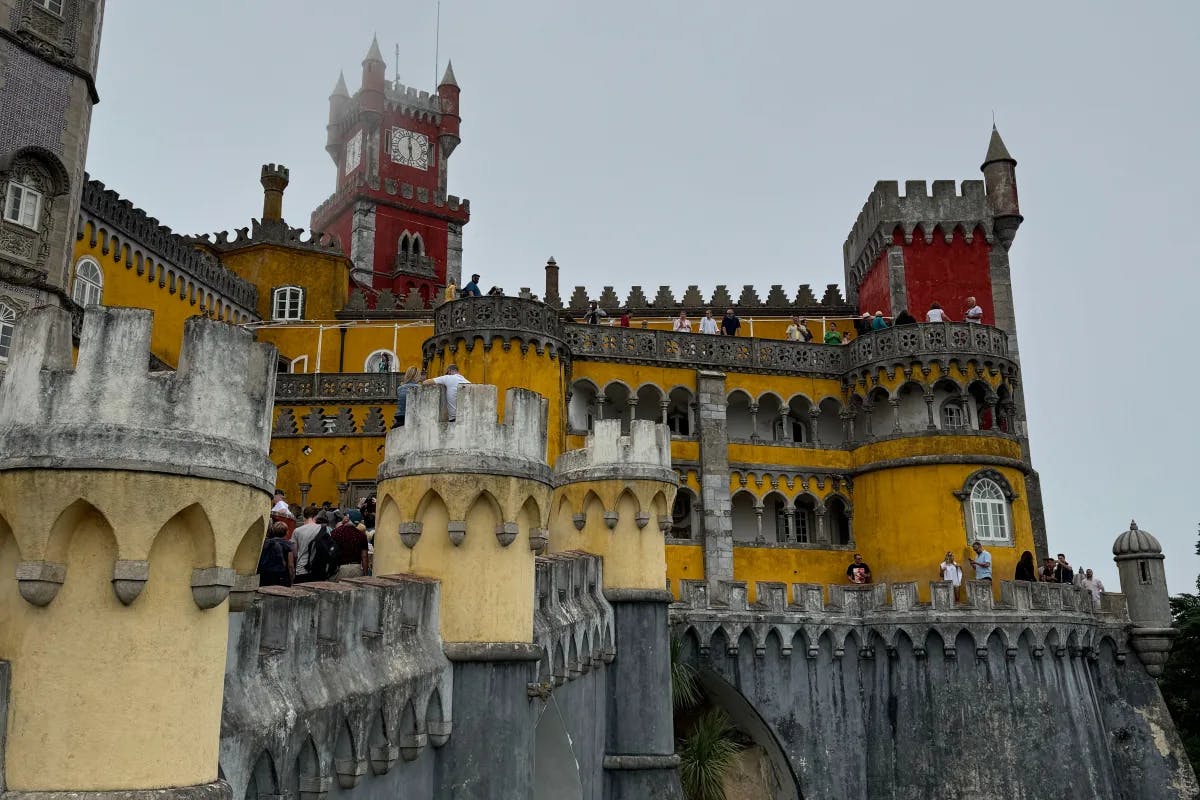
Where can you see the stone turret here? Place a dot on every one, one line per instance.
(1000, 182)
(274, 180)
(130, 501)
(371, 94)
(613, 498)
(1139, 560)
(465, 502)
(339, 101)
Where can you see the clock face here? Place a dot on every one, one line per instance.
(410, 149)
(353, 152)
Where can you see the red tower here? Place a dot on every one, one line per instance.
(390, 210)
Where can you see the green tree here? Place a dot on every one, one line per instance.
(1180, 681)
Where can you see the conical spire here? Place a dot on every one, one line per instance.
(340, 89)
(448, 79)
(373, 54)
(996, 150)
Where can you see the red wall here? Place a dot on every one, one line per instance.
(873, 294)
(946, 273)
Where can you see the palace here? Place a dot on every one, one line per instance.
(612, 505)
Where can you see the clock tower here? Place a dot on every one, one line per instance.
(391, 145)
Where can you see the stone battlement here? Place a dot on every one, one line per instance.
(352, 669)
(572, 623)
(645, 452)
(831, 304)
(945, 209)
(108, 209)
(452, 207)
(211, 418)
(276, 232)
(1055, 616)
(475, 442)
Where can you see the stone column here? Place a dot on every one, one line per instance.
(632, 404)
(754, 437)
(134, 500)
(305, 488)
(821, 515)
(814, 414)
(601, 402)
(455, 505)
(931, 424)
(714, 480)
(758, 515)
(639, 759)
(894, 402)
(992, 401)
(663, 407)
(789, 523)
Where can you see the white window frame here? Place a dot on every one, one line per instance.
(23, 204)
(55, 7)
(989, 512)
(950, 408)
(88, 290)
(298, 365)
(287, 304)
(8, 325)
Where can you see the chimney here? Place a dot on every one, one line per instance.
(274, 181)
(551, 297)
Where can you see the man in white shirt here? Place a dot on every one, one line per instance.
(708, 324)
(1095, 587)
(451, 381)
(281, 505)
(973, 314)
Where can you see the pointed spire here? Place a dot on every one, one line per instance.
(996, 150)
(340, 90)
(448, 79)
(373, 54)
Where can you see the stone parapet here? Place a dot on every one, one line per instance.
(1055, 617)
(211, 418)
(804, 303)
(475, 442)
(326, 681)
(645, 453)
(268, 231)
(572, 623)
(526, 323)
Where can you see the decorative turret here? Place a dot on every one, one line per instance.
(552, 296)
(1139, 560)
(370, 96)
(274, 180)
(1000, 182)
(135, 501)
(339, 101)
(449, 92)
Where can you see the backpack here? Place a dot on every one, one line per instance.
(323, 555)
(273, 560)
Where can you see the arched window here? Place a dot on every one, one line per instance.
(989, 511)
(404, 244)
(953, 416)
(23, 203)
(8, 320)
(89, 283)
(418, 248)
(287, 303)
(380, 361)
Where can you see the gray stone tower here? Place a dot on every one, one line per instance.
(1139, 560)
(48, 52)
(1000, 185)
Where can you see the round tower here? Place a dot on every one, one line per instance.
(464, 502)
(370, 96)
(339, 103)
(274, 180)
(613, 498)
(448, 93)
(1000, 185)
(508, 342)
(131, 502)
(1140, 563)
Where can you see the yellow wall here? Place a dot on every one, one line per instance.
(325, 278)
(97, 699)
(487, 589)
(124, 287)
(332, 460)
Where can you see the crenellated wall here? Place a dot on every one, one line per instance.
(974, 699)
(337, 689)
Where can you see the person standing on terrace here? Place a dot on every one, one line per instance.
(936, 314)
(904, 318)
(708, 324)
(798, 331)
(973, 312)
(833, 335)
(594, 313)
(879, 323)
(472, 288)
(682, 323)
(730, 323)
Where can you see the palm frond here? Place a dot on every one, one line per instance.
(706, 755)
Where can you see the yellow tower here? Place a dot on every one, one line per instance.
(465, 502)
(128, 500)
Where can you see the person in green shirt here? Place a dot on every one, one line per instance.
(833, 335)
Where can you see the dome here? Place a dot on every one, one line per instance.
(1136, 542)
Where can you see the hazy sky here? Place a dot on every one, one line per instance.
(710, 142)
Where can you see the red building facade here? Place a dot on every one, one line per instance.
(390, 209)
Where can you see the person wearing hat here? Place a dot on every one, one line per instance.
(879, 323)
(472, 288)
(863, 324)
(280, 503)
